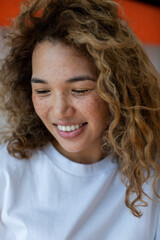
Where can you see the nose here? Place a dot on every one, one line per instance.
(62, 106)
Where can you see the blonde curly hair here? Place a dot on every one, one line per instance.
(126, 81)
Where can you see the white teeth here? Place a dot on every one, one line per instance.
(73, 128)
(63, 128)
(69, 128)
(59, 127)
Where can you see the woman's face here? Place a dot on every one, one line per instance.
(64, 94)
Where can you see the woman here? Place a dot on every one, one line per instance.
(83, 105)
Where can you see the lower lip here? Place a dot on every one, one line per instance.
(71, 134)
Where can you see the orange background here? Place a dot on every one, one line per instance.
(143, 18)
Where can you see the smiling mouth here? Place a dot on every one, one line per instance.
(70, 128)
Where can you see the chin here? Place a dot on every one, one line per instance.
(73, 149)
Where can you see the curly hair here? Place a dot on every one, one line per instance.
(126, 81)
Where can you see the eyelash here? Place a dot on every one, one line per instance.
(42, 91)
(79, 92)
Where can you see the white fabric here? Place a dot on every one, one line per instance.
(49, 197)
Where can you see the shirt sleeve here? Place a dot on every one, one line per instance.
(5, 231)
(157, 237)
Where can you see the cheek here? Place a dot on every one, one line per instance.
(40, 107)
(96, 109)
(101, 112)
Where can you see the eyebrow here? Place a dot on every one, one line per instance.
(71, 80)
(81, 78)
(38, 80)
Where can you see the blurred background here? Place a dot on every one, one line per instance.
(142, 15)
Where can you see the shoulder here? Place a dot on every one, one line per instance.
(10, 163)
(37, 157)
(10, 167)
(5, 157)
(14, 172)
(3, 150)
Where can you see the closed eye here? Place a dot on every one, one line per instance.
(80, 91)
(42, 91)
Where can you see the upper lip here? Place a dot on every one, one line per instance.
(68, 124)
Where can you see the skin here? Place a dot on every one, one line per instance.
(64, 91)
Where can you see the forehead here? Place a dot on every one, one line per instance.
(58, 59)
(57, 46)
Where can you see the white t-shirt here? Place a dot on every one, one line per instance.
(50, 197)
